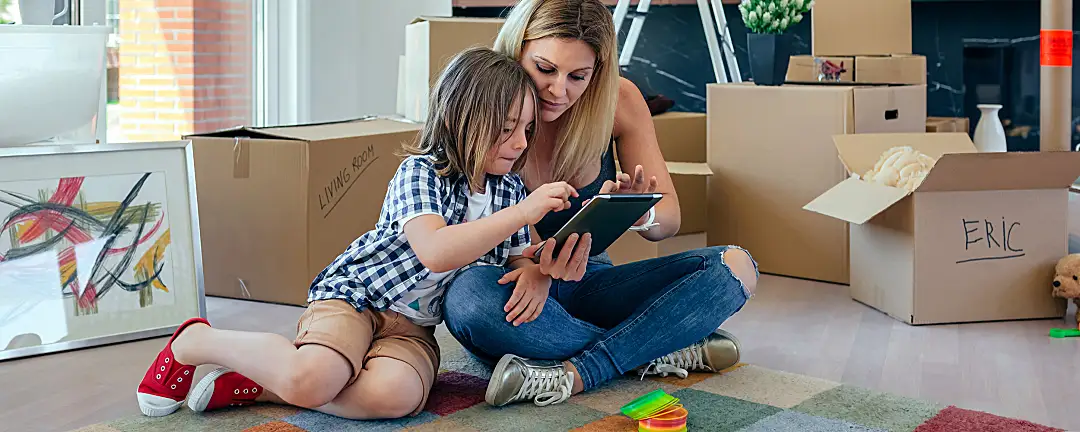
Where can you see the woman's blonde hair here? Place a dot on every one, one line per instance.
(469, 107)
(588, 129)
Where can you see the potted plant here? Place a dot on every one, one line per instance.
(767, 38)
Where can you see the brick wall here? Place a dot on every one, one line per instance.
(185, 67)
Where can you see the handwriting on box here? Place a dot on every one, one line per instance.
(990, 240)
(336, 189)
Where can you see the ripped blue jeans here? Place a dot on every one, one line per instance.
(614, 320)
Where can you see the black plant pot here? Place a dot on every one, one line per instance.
(769, 57)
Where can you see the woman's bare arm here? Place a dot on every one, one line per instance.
(637, 145)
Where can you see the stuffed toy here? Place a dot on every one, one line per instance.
(1067, 280)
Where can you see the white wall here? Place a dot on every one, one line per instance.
(352, 49)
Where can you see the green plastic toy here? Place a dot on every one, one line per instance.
(649, 404)
(1064, 332)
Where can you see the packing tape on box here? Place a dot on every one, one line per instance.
(241, 158)
(244, 289)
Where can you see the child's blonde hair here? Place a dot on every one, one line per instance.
(591, 120)
(470, 104)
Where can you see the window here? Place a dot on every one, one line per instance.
(178, 67)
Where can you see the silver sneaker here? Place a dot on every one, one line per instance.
(718, 351)
(516, 379)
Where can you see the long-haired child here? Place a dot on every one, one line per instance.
(365, 346)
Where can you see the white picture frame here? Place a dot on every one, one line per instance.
(99, 244)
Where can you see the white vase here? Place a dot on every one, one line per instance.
(989, 133)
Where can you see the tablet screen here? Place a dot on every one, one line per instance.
(606, 217)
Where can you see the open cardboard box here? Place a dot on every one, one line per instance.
(976, 241)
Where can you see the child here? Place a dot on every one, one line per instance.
(365, 346)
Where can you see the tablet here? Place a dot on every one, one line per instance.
(607, 217)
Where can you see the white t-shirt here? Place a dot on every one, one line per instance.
(423, 304)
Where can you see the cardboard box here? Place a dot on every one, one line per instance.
(860, 27)
(681, 136)
(632, 247)
(430, 43)
(977, 241)
(691, 184)
(897, 69)
(277, 205)
(947, 124)
(771, 152)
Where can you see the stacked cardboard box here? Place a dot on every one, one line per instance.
(860, 42)
(682, 139)
(771, 147)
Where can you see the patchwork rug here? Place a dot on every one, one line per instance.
(743, 398)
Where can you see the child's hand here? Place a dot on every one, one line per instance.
(530, 293)
(546, 198)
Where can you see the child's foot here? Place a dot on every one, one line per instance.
(516, 379)
(718, 351)
(222, 389)
(167, 382)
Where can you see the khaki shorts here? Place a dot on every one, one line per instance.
(361, 336)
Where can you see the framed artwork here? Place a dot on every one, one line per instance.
(99, 244)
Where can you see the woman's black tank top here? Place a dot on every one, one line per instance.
(550, 224)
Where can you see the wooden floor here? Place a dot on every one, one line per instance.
(1010, 368)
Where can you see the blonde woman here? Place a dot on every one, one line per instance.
(574, 321)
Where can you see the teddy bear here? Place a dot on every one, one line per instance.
(1067, 280)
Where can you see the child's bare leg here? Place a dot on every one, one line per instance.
(387, 388)
(307, 377)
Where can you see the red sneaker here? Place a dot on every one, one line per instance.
(166, 384)
(223, 388)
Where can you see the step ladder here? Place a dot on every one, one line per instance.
(728, 74)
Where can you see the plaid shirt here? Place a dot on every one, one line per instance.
(379, 266)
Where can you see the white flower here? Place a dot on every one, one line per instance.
(753, 16)
(784, 23)
(772, 7)
(810, 4)
(766, 16)
(798, 18)
(784, 3)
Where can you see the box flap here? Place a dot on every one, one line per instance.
(859, 152)
(454, 19)
(689, 168)
(345, 129)
(236, 132)
(856, 201)
(1003, 171)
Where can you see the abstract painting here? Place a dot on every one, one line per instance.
(93, 253)
(111, 250)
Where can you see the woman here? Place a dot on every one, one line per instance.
(574, 321)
